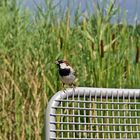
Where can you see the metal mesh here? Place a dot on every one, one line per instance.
(94, 114)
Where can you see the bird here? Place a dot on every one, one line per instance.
(66, 72)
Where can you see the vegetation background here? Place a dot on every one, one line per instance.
(103, 54)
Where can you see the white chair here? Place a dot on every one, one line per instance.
(93, 114)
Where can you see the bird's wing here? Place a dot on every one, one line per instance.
(73, 71)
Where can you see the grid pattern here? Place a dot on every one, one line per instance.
(95, 114)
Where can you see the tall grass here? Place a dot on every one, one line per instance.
(104, 55)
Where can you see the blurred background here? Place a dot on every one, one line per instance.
(131, 9)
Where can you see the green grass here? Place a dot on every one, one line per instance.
(102, 54)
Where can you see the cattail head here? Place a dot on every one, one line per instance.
(92, 46)
(113, 44)
(101, 49)
(125, 69)
(137, 54)
(61, 42)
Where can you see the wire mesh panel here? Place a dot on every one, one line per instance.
(94, 113)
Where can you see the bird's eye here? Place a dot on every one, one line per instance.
(66, 63)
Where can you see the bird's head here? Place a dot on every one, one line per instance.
(62, 64)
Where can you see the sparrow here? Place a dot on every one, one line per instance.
(66, 72)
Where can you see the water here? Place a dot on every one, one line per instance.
(129, 8)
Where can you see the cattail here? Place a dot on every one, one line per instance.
(113, 44)
(137, 54)
(61, 42)
(125, 69)
(102, 49)
(92, 46)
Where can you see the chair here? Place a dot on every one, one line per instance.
(93, 114)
